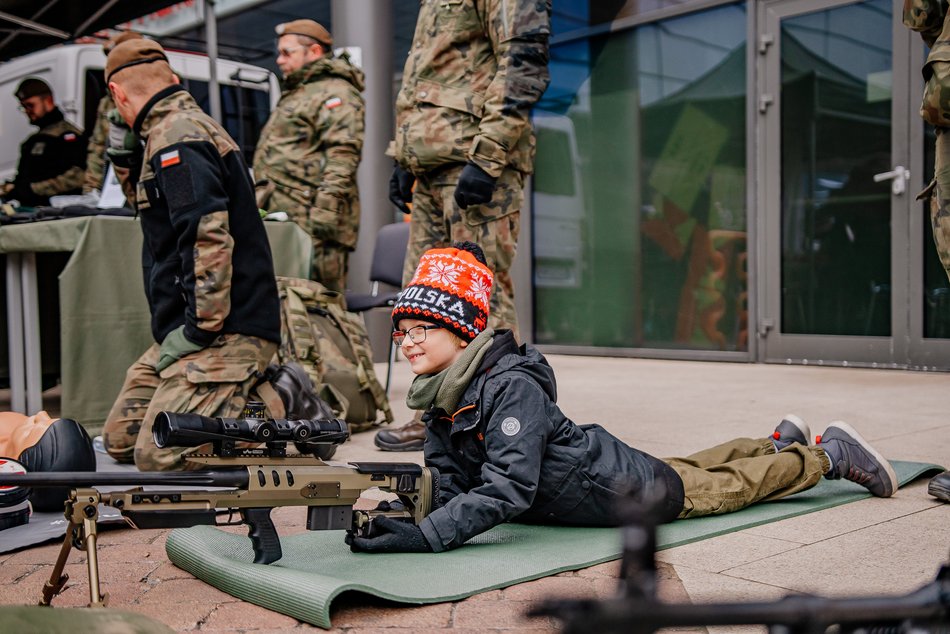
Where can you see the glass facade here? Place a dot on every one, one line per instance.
(836, 135)
(639, 201)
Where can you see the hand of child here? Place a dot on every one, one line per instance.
(390, 536)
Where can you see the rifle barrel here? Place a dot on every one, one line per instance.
(235, 478)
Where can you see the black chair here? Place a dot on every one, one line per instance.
(389, 254)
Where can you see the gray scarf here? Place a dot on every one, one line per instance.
(446, 388)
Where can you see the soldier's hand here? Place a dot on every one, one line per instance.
(475, 186)
(6, 187)
(124, 148)
(174, 347)
(400, 188)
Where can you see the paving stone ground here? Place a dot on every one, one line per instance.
(663, 407)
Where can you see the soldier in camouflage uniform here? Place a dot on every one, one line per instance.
(464, 142)
(931, 19)
(96, 153)
(52, 160)
(209, 277)
(309, 150)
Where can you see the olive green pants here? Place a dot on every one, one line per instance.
(735, 474)
(216, 381)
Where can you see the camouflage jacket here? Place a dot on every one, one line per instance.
(52, 162)
(96, 152)
(311, 146)
(475, 69)
(206, 258)
(927, 17)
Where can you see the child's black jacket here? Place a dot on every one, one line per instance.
(509, 453)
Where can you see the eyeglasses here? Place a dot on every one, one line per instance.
(29, 105)
(416, 334)
(287, 52)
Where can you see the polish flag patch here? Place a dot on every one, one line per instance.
(332, 103)
(69, 136)
(170, 158)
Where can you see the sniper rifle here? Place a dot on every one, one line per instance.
(255, 480)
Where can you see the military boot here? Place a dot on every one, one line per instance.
(409, 437)
(939, 487)
(301, 402)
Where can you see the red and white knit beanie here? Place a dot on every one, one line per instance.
(450, 288)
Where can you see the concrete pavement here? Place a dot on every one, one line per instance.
(666, 408)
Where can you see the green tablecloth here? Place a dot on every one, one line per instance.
(104, 323)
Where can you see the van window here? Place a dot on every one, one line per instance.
(244, 110)
(95, 90)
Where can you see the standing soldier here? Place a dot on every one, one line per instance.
(464, 142)
(932, 20)
(96, 154)
(52, 160)
(209, 276)
(309, 150)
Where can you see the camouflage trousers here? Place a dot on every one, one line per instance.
(940, 199)
(330, 259)
(216, 381)
(437, 221)
(330, 265)
(735, 474)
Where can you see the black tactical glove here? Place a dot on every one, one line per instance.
(400, 188)
(475, 186)
(390, 536)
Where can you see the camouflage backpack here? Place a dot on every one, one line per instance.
(332, 346)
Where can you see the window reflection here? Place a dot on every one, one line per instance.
(836, 135)
(639, 194)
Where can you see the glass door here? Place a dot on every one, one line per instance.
(834, 121)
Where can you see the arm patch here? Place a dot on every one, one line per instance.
(178, 186)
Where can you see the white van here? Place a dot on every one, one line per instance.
(75, 72)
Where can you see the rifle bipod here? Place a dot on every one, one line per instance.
(82, 512)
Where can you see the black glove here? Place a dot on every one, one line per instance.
(400, 188)
(390, 536)
(475, 186)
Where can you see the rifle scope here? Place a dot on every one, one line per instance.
(190, 430)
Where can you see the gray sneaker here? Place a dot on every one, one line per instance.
(852, 458)
(792, 429)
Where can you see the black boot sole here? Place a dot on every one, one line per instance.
(939, 487)
(411, 445)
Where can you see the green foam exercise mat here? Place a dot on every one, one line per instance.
(317, 566)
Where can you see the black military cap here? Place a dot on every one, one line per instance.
(131, 53)
(32, 87)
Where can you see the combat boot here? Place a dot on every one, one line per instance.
(409, 437)
(301, 402)
(939, 487)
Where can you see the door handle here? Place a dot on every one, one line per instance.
(898, 177)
